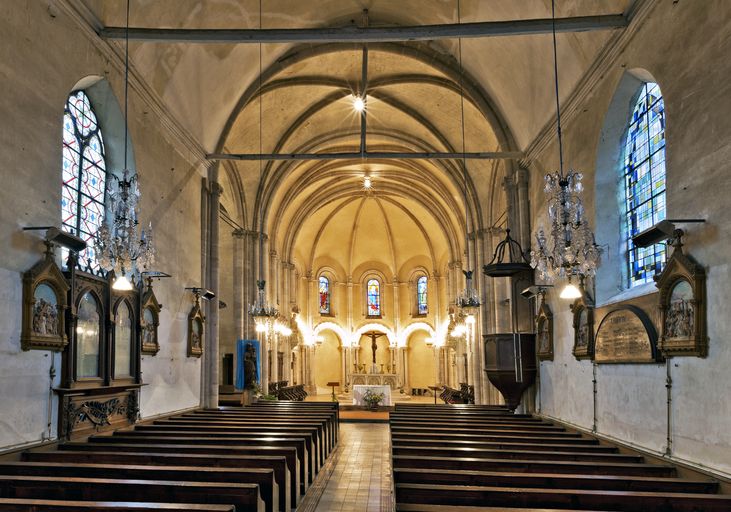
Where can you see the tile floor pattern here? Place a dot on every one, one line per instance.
(357, 477)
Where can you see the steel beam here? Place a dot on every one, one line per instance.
(380, 155)
(368, 34)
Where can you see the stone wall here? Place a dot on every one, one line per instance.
(684, 47)
(44, 54)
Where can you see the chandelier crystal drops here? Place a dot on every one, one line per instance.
(469, 299)
(570, 249)
(261, 310)
(121, 246)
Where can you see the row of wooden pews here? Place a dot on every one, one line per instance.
(468, 457)
(260, 458)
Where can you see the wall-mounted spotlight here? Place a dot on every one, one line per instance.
(201, 292)
(660, 232)
(535, 290)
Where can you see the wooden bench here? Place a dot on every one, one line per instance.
(303, 443)
(552, 480)
(287, 487)
(31, 505)
(242, 496)
(300, 483)
(436, 451)
(263, 478)
(410, 441)
(568, 499)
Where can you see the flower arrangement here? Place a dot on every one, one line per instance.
(372, 398)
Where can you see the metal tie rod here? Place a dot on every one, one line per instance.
(355, 155)
(369, 34)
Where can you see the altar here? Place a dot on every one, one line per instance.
(375, 379)
(360, 389)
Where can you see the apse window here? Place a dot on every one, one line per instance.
(374, 297)
(644, 182)
(421, 295)
(84, 175)
(324, 295)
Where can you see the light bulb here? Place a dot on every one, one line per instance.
(122, 283)
(358, 103)
(570, 291)
(470, 319)
(367, 184)
(261, 328)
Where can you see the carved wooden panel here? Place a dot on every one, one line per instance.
(84, 414)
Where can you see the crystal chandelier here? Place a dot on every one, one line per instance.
(261, 310)
(570, 249)
(120, 246)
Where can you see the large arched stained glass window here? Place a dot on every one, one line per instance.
(324, 295)
(644, 182)
(374, 297)
(84, 174)
(421, 295)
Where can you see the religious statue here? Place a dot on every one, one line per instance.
(583, 337)
(543, 337)
(250, 379)
(45, 318)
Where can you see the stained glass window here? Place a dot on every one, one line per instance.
(324, 295)
(84, 174)
(374, 297)
(644, 182)
(421, 295)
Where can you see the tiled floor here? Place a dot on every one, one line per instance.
(357, 477)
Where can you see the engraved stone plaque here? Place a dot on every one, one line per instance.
(626, 335)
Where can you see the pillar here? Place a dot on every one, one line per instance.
(210, 397)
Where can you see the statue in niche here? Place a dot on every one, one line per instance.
(148, 327)
(544, 340)
(250, 380)
(195, 336)
(680, 313)
(582, 339)
(45, 311)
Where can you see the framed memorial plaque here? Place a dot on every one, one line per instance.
(682, 286)
(583, 310)
(626, 335)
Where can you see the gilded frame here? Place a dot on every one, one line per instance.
(583, 311)
(544, 327)
(150, 343)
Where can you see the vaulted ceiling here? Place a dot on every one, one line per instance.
(302, 102)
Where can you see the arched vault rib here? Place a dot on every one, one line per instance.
(389, 233)
(328, 196)
(422, 53)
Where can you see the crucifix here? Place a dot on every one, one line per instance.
(374, 346)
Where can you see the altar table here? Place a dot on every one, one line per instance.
(360, 389)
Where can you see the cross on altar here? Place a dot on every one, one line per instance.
(374, 346)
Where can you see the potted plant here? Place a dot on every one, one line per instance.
(372, 399)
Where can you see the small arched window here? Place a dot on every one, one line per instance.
(421, 295)
(373, 297)
(84, 174)
(324, 295)
(644, 182)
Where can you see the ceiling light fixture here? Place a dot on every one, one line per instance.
(359, 104)
(469, 299)
(120, 246)
(570, 248)
(367, 183)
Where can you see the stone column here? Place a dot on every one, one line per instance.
(239, 305)
(274, 354)
(210, 398)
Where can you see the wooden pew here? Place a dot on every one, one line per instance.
(316, 444)
(568, 499)
(261, 437)
(264, 478)
(552, 481)
(299, 483)
(533, 466)
(288, 490)
(410, 441)
(423, 433)
(31, 505)
(242, 496)
(436, 451)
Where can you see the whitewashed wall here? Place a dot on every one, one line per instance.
(43, 54)
(685, 47)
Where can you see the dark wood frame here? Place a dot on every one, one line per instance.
(45, 272)
(129, 299)
(196, 315)
(149, 301)
(583, 303)
(681, 267)
(544, 317)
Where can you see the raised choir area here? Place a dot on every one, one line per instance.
(486, 458)
(261, 458)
